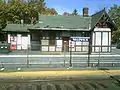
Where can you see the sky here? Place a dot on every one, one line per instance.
(62, 6)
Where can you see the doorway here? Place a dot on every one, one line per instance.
(65, 45)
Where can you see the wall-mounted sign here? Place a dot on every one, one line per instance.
(59, 43)
(80, 39)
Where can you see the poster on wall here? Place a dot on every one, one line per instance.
(24, 42)
(71, 43)
(13, 42)
(19, 42)
(78, 43)
(59, 43)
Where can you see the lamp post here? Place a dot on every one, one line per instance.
(64, 52)
(27, 59)
(70, 54)
(99, 58)
(28, 53)
(65, 43)
(89, 53)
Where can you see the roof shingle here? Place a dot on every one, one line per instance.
(64, 22)
(16, 28)
(59, 22)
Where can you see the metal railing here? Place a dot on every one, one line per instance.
(64, 59)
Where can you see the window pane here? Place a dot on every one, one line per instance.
(52, 41)
(44, 42)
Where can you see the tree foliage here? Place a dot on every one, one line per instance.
(2, 15)
(17, 10)
(114, 13)
(66, 14)
(74, 13)
(50, 11)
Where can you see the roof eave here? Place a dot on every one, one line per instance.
(68, 29)
(18, 31)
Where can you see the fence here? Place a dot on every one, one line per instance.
(59, 60)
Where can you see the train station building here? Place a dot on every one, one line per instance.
(64, 33)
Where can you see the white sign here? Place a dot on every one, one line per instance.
(24, 42)
(59, 43)
(80, 39)
(19, 40)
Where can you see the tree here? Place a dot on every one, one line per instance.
(17, 10)
(66, 14)
(50, 11)
(38, 5)
(2, 15)
(114, 13)
(74, 13)
(14, 11)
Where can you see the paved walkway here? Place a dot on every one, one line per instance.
(49, 53)
(54, 55)
(114, 52)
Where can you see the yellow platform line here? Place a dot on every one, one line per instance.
(58, 73)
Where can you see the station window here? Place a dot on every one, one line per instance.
(52, 41)
(52, 38)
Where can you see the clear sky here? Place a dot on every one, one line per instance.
(69, 5)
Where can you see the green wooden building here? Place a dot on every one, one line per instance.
(64, 33)
(82, 33)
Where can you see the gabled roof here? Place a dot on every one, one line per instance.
(96, 17)
(16, 28)
(60, 22)
(64, 22)
(69, 22)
